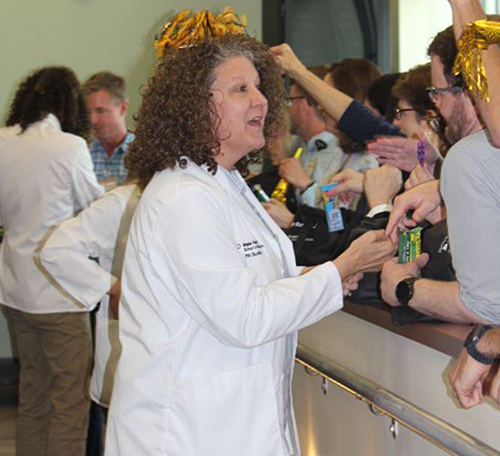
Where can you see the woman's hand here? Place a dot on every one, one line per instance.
(367, 253)
(279, 213)
(351, 283)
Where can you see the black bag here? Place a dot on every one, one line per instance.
(313, 244)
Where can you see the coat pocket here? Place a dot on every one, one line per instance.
(227, 414)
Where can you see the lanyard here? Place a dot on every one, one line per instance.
(244, 191)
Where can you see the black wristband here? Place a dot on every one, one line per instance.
(471, 342)
(307, 188)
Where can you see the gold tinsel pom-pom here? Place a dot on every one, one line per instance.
(186, 28)
(476, 36)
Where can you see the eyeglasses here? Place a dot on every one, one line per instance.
(434, 91)
(398, 112)
(298, 97)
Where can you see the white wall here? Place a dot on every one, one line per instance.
(89, 36)
(419, 21)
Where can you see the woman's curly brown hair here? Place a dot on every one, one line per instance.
(50, 90)
(177, 115)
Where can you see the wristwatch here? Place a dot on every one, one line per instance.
(471, 341)
(404, 290)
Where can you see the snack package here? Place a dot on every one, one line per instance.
(334, 218)
(409, 244)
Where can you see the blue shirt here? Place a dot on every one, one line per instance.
(110, 168)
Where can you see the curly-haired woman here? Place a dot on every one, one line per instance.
(45, 176)
(210, 302)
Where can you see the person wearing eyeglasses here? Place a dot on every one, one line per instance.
(320, 160)
(417, 117)
(470, 189)
(352, 117)
(321, 146)
(348, 112)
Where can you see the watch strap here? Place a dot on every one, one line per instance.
(471, 342)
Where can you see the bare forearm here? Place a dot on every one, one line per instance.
(465, 12)
(333, 101)
(442, 300)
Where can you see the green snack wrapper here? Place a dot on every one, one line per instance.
(410, 244)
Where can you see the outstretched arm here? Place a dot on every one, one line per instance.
(465, 12)
(341, 107)
(333, 101)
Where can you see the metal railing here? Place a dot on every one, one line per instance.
(383, 402)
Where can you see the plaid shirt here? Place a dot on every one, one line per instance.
(110, 168)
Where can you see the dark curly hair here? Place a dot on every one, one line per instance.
(50, 90)
(177, 114)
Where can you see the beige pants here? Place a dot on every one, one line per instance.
(55, 355)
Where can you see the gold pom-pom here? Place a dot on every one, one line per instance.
(186, 28)
(476, 36)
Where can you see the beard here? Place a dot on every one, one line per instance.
(456, 127)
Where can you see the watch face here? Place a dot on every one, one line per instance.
(404, 290)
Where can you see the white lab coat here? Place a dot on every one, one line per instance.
(46, 176)
(68, 257)
(208, 323)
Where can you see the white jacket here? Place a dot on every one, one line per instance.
(46, 176)
(208, 323)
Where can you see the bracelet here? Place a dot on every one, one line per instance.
(307, 188)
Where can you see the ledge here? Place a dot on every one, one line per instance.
(444, 337)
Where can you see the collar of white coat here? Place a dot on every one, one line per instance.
(233, 178)
(52, 121)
